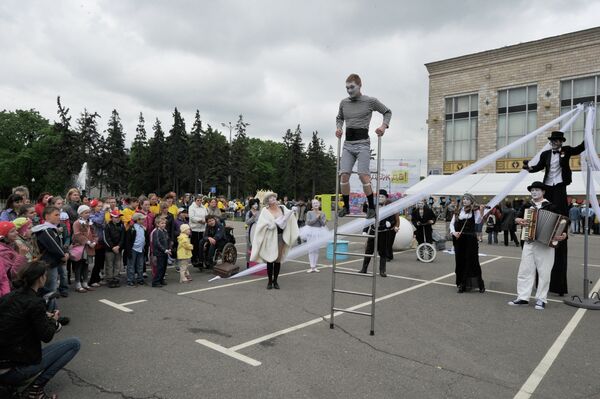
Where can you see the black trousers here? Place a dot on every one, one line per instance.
(197, 252)
(558, 196)
(98, 265)
(513, 237)
(381, 250)
(558, 280)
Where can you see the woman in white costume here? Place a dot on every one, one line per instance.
(314, 230)
(275, 231)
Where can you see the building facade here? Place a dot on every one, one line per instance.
(481, 102)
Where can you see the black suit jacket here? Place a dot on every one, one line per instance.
(566, 152)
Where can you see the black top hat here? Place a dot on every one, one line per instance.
(557, 135)
(383, 192)
(537, 184)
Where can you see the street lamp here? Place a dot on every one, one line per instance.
(201, 191)
(230, 126)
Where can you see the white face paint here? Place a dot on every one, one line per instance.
(316, 204)
(353, 89)
(272, 200)
(537, 194)
(382, 199)
(254, 206)
(466, 201)
(556, 145)
(420, 204)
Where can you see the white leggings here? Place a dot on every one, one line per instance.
(313, 258)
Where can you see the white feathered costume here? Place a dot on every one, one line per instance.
(265, 246)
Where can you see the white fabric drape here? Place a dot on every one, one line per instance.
(359, 224)
(590, 157)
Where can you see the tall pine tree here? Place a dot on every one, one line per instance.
(117, 173)
(139, 157)
(177, 150)
(240, 159)
(293, 163)
(196, 153)
(156, 166)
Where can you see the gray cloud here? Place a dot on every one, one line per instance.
(278, 63)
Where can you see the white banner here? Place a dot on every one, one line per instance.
(396, 176)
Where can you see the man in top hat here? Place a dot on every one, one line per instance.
(557, 174)
(536, 256)
(557, 177)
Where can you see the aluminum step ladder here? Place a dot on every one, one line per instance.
(374, 257)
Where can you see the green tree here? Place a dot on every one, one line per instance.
(139, 159)
(293, 163)
(215, 163)
(156, 163)
(264, 158)
(94, 148)
(117, 173)
(196, 153)
(240, 159)
(177, 151)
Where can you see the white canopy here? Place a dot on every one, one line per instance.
(490, 184)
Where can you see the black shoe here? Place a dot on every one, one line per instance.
(370, 213)
(275, 285)
(363, 270)
(156, 285)
(163, 282)
(383, 274)
(518, 302)
(64, 294)
(343, 212)
(64, 320)
(270, 286)
(461, 289)
(141, 282)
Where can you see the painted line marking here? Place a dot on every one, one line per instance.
(542, 368)
(120, 306)
(229, 352)
(591, 265)
(254, 280)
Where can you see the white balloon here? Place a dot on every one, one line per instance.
(404, 236)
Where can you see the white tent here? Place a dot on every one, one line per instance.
(489, 184)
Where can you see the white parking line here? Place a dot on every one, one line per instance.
(542, 368)
(121, 306)
(229, 352)
(233, 350)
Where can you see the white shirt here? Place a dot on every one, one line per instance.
(554, 175)
(464, 215)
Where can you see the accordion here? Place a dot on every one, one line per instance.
(542, 226)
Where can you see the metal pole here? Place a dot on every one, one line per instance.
(229, 176)
(586, 281)
(376, 238)
(335, 227)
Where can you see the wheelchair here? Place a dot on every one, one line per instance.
(225, 253)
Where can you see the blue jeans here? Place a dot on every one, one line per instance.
(135, 264)
(54, 357)
(64, 281)
(52, 279)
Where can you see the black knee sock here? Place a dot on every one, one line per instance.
(270, 271)
(346, 201)
(277, 269)
(371, 202)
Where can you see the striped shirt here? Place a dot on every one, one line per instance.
(356, 112)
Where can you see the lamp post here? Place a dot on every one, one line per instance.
(201, 191)
(230, 126)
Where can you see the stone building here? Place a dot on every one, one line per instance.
(481, 102)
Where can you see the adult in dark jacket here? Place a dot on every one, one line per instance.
(214, 238)
(24, 324)
(557, 176)
(423, 218)
(508, 224)
(385, 225)
(50, 244)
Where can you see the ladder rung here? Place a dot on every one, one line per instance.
(355, 254)
(356, 215)
(352, 311)
(356, 235)
(353, 273)
(373, 172)
(353, 293)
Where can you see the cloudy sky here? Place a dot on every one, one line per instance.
(279, 63)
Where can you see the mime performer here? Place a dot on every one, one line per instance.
(356, 110)
(557, 177)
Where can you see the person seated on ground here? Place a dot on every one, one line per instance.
(214, 238)
(24, 323)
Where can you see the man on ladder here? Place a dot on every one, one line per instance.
(356, 110)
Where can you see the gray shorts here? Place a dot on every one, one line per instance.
(354, 151)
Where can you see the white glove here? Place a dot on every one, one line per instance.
(364, 233)
(388, 225)
(294, 209)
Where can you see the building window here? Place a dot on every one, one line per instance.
(517, 116)
(577, 91)
(460, 140)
